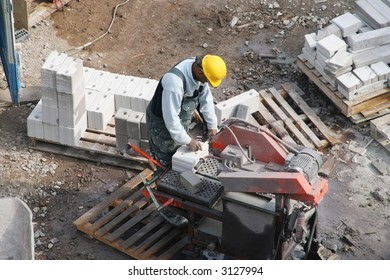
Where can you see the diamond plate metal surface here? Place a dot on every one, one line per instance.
(208, 194)
(209, 168)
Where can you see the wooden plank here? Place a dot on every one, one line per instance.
(328, 134)
(109, 130)
(162, 242)
(120, 218)
(301, 124)
(370, 103)
(139, 249)
(42, 11)
(130, 223)
(359, 118)
(99, 138)
(142, 232)
(126, 188)
(169, 253)
(285, 119)
(376, 109)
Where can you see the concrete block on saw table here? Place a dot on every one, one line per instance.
(50, 67)
(225, 109)
(366, 75)
(191, 181)
(369, 39)
(112, 83)
(50, 114)
(381, 69)
(143, 94)
(51, 132)
(124, 92)
(101, 111)
(329, 30)
(70, 75)
(348, 23)
(185, 159)
(49, 96)
(134, 124)
(97, 80)
(330, 45)
(70, 136)
(34, 122)
(121, 116)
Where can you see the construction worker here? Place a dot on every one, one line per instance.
(180, 91)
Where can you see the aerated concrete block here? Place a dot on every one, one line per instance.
(70, 136)
(50, 67)
(121, 142)
(90, 95)
(69, 116)
(348, 23)
(50, 114)
(88, 71)
(112, 83)
(35, 123)
(125, 91)
(372, 13)
(121, 116)
(134, 124)
(310, 41)
(225, 109)
(366, 75)
(144, 128)
(372, 56)
(49, 96)
(191, 181)
(145, 146)
(142, 95)
(381, 69)
(369, 39)
(97, 80)
(70, 75)
(50, 132)
(348, 81)
(364, 90)
(101, 111)
(330, 45)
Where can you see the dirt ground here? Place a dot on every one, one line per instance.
(145, 40)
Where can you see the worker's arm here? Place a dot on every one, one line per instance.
(171, 105)
(206, 108)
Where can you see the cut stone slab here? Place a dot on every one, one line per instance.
(373, 15)
(369, 39)
(372, 56)
(348, 81)
(348, 23)
(310, 41)
(330, 45)
(381, 69)
(366, 75)
(329, 30)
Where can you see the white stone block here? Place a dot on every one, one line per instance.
(125, 91)
(97, 80)
(112, 83)
(330, 45)
(226, 108)
(348, 23)
(184, 159)
(329, 30)
(121, 142)
(50, 114)
(88, 71)
(365, 90)
(70, 75)
(50, 132)
(348, 81)
(381, 69)
(144, 129)
(90, 95)
(310, 41)
(144, 146)
(69, 116)
(369, 39)
(371, 56)
(101, 111)
(121, 116)
(366, 75)
(134, 124)
(50, 67)
(49, 96)
(70, 136)
(142, 95)
(35, 123)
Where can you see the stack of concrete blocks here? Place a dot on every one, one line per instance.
(125, 91)
(240, 106)
(185, 159)
(130, 127)
(60, 116)
(353, 52)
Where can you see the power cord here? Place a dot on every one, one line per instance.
(75, 50)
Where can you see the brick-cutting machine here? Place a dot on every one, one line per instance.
(254, 196)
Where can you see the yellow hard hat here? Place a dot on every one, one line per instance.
(214, 68)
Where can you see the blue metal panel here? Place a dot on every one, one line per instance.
(9, 56)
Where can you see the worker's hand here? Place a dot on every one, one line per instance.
(194, 145)
(212, 132)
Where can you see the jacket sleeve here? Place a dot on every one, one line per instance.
(172, 96)
(207, 108)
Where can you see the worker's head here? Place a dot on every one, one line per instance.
(212, 68)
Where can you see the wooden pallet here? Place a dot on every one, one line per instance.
(129, 222)
(94, 145)
(360, 109)
(380, 131)
(304, 128)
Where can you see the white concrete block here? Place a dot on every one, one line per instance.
(310, 41)
(97, 80)
(70, 75)
(184, 159)
(134, 124)
(372, 56)
(329, 30)
(366, 75)
(365, 90)
(226, 108)
(101, 111)
(341, 59)
(348, 23)
(90, 95)
(121, 116)
(144, 129)
(112, 83)
(88, 71)
(381, 69)
(121, 142)
(369, 39)
(310, 56)
(71, 107)
(142, 95)
(50, 67)
(49, 96)
(348, 81)
(50, 114)
(125, 91)
(35, 123)
(330, 45)
(70, 136)
(50, 132)
(144, 146)
(371, 14)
